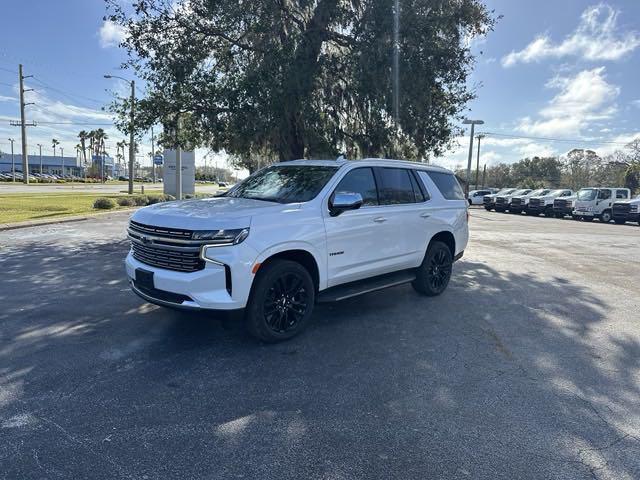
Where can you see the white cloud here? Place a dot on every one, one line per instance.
(110, 34)
(636, 103)
(595, 38)
(583, 98)
(4, 98)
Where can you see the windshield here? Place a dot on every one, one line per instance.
(587, 194)
(284, 184)
(520, 192)
(537, 193)
(506, 191)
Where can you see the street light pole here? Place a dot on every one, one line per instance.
(479, 137)
(13, 160)
(62, 159)
(132, 146)
(40, 147)
(153, 155)
(473, 123)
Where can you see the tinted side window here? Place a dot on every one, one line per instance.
(419, 193)
(621, 194)
(396, 186)
(448, 185)
(604, 194)
(360, 181)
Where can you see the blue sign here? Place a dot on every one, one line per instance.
(158, 160)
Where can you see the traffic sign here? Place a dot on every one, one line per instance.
(158, 159)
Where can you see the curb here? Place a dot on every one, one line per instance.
(70, 219)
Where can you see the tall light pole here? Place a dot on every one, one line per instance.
(473, 123)
(132, 146)
(40, 147)
(62, 158)
(479, 137)
(13, 160)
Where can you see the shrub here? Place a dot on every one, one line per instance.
(140, 200)
(104, 203)
(126, 201)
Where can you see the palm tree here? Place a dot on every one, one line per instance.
(54, 144)
(83, 135)
(98, 137)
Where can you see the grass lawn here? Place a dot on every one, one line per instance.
(17, 207)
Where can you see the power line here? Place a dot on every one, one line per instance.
(72, 96)
(549, 139)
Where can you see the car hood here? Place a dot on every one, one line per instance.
(216, 212)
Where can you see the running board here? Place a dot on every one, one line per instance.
(360, 287)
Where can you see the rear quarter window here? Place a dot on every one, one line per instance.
(448, 185)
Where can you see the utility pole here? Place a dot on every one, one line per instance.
(479, 137)
(484, 175)
(23, 127)
(153, 155)
(40, 147)
(62, 157)
(132, 145)
(473, 123)
(13, 161)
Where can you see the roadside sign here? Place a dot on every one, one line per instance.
(158, 160)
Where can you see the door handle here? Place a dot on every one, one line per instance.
(379, 219)
(425, 214)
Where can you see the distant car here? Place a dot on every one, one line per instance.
(597, 202)
(503, 201)
(627, 211)
(223, 184)
(544, 203)
(489, 201)
(520, 203)
(476, 196)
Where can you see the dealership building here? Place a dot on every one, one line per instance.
(54, 165)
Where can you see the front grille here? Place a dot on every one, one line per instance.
(169, 259)
(534, 202)
(621, 209)
(500, 200)
(516, 202)
(560, 203)
(486, 199)
(160, 231)
(166, 248)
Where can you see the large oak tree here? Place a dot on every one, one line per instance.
(299, 78)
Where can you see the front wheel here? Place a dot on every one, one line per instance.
(281, 301)
(605, 217)
(434, 273)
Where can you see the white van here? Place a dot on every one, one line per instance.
(597, 202)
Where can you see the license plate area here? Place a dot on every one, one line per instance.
(144, 278)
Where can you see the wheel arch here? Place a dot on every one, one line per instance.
(447, 238)
(299, 254)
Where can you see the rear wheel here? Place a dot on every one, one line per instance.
(605, 217)
(488, 209)
(434, 273)
(281, 301)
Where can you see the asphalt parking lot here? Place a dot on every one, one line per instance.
(527, 367)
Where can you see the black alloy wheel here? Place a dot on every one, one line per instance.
(285, 303)
(281, 301)
(433, 275)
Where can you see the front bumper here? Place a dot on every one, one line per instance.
(219, 286)
(563, 210)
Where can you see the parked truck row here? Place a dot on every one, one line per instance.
(602, 203)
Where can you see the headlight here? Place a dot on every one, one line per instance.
(221, 237)
(634, 209)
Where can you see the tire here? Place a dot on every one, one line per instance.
(548, 212)
(559, 215)
(587, 219)
(281, 301)
(488, 209)
(619, 221)
(605, 217)
(433, 275)
(470, 202)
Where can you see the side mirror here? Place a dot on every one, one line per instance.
(343, 201)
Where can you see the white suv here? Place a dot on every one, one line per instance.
(297, 233)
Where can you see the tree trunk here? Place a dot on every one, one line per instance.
(297, 88)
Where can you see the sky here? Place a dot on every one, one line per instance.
(563, 70)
